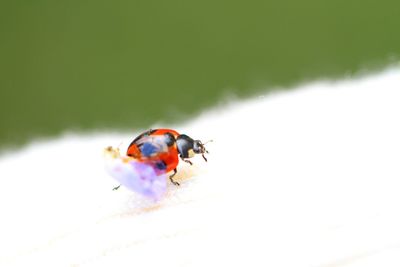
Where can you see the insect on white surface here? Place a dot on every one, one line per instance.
(308, 177)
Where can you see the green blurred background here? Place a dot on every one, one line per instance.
(124, 64)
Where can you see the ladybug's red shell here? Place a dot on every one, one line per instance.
(157, 147)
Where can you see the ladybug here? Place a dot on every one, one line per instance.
(162, 149)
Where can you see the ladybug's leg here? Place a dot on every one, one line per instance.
(188, 161)
(116, 188)
(204, 157)
(172, 175)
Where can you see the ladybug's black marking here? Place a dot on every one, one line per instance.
(161, 165)
(147, 149)
(149, 132)
(169, 139)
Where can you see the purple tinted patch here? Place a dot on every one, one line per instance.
(139, 177)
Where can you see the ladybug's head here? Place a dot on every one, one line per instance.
(198, 147)
(187, 147)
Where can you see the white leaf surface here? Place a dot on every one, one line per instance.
(307, 177)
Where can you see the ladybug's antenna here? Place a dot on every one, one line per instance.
(209, 141)
(204, 149)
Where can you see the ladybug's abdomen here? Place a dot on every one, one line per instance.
(156, 147)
